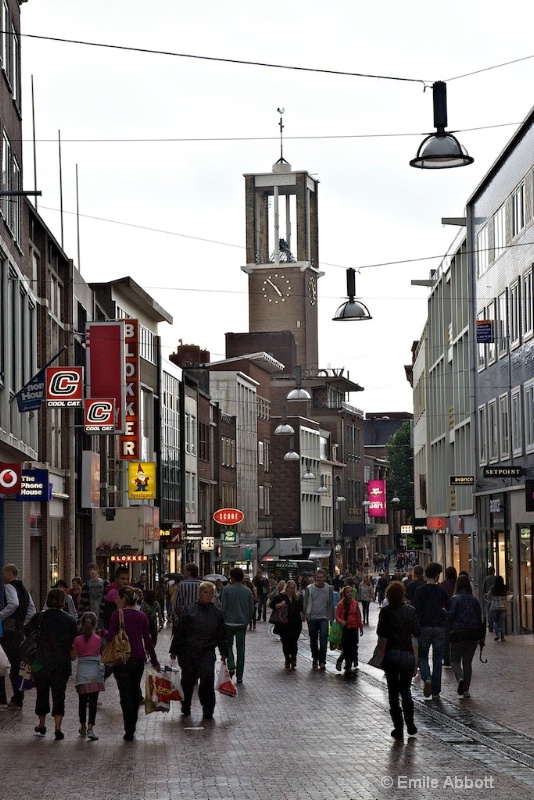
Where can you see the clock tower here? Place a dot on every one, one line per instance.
(282, 251)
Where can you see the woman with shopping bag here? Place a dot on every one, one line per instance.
(199, 631)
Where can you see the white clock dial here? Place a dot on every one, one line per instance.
(276, 288)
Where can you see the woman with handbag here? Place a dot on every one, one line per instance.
(465, 620)
(498, 597)
(51, 664)
(397, 624)
(348, 616)
(129, 674)
(288, 605)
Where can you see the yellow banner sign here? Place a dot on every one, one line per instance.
(142, 480)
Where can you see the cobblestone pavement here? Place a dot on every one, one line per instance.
(302, 734)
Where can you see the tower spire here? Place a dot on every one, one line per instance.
(281, 165)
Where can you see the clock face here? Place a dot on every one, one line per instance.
(312, 290)
(276, 288)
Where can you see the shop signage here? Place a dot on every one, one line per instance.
(503, 472)
(34, 485)
(128, 559)
(106, 365)
(142, 481)
(193, 531)
(207, 543)
(461, 480)
(64, 387)
(436, 523)
(129, 443)
(485, 331)
(228, 516)
(99, 416)
(10, 478)
(376, 495)
(229, 537)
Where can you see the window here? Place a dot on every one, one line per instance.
(502, 335)
(514, 318)
(528, 410)
(190, 434)
(481, 348)
(493, 431)
(482, 435)
(204, 442)
(482, 251)
(260, 453)
(267, 456)
(491, 347)
(518, 210)
(516, 420)
(261, 497)
(499, 231)
(527, 304)
(504, 427)
(11, 182)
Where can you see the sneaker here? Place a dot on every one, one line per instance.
(435, 696)
(315, 663)
(467, 695)
(322, 665)
(92, 735)
(461, 686)
(239, 680)
(82, 732)
(427, 688)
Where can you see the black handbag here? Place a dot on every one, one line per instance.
(279, 616)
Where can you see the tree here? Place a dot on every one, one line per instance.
(399, 452)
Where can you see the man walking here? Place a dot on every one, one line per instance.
(319, 612)
(93, 594)
(17, 611)
(237, 605)
(187, 591)
(411, 586)
(262, 591)
(487, 586)
(431, 602)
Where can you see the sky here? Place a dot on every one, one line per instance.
(161, 144)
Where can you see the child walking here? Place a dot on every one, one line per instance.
(90, 675)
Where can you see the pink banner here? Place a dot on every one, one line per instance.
(376, 495)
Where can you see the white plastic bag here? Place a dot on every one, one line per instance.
(224, 683)
(5, 666)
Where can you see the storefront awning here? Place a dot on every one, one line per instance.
(324, 552)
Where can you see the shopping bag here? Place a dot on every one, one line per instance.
(173, 674)
(5, 666)
(24, 678)
(158, 690)
(224, 683)
(377, 659)
(334, 635)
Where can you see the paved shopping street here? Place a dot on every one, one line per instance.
(301, 734)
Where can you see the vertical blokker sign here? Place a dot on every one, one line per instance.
(129, 443)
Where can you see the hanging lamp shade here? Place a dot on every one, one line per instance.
(353, 309)
(441, 150)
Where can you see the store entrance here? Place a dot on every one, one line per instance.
(526, 569)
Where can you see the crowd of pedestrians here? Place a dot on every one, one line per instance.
(423, 624)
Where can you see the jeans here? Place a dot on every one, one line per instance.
(434, 637)
(399, 666)
(499, 623)
(318, 630)
(262, 606)
(128, 677)
(239, 632)
(365, 609)
(462, 654)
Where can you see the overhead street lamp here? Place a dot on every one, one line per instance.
(441, 150)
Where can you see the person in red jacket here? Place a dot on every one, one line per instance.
(348, 615)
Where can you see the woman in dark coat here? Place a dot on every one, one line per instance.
(397, 624)
(465, 620)
(289, 631)
(51, 666)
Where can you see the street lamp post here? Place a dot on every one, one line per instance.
(338, 532)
